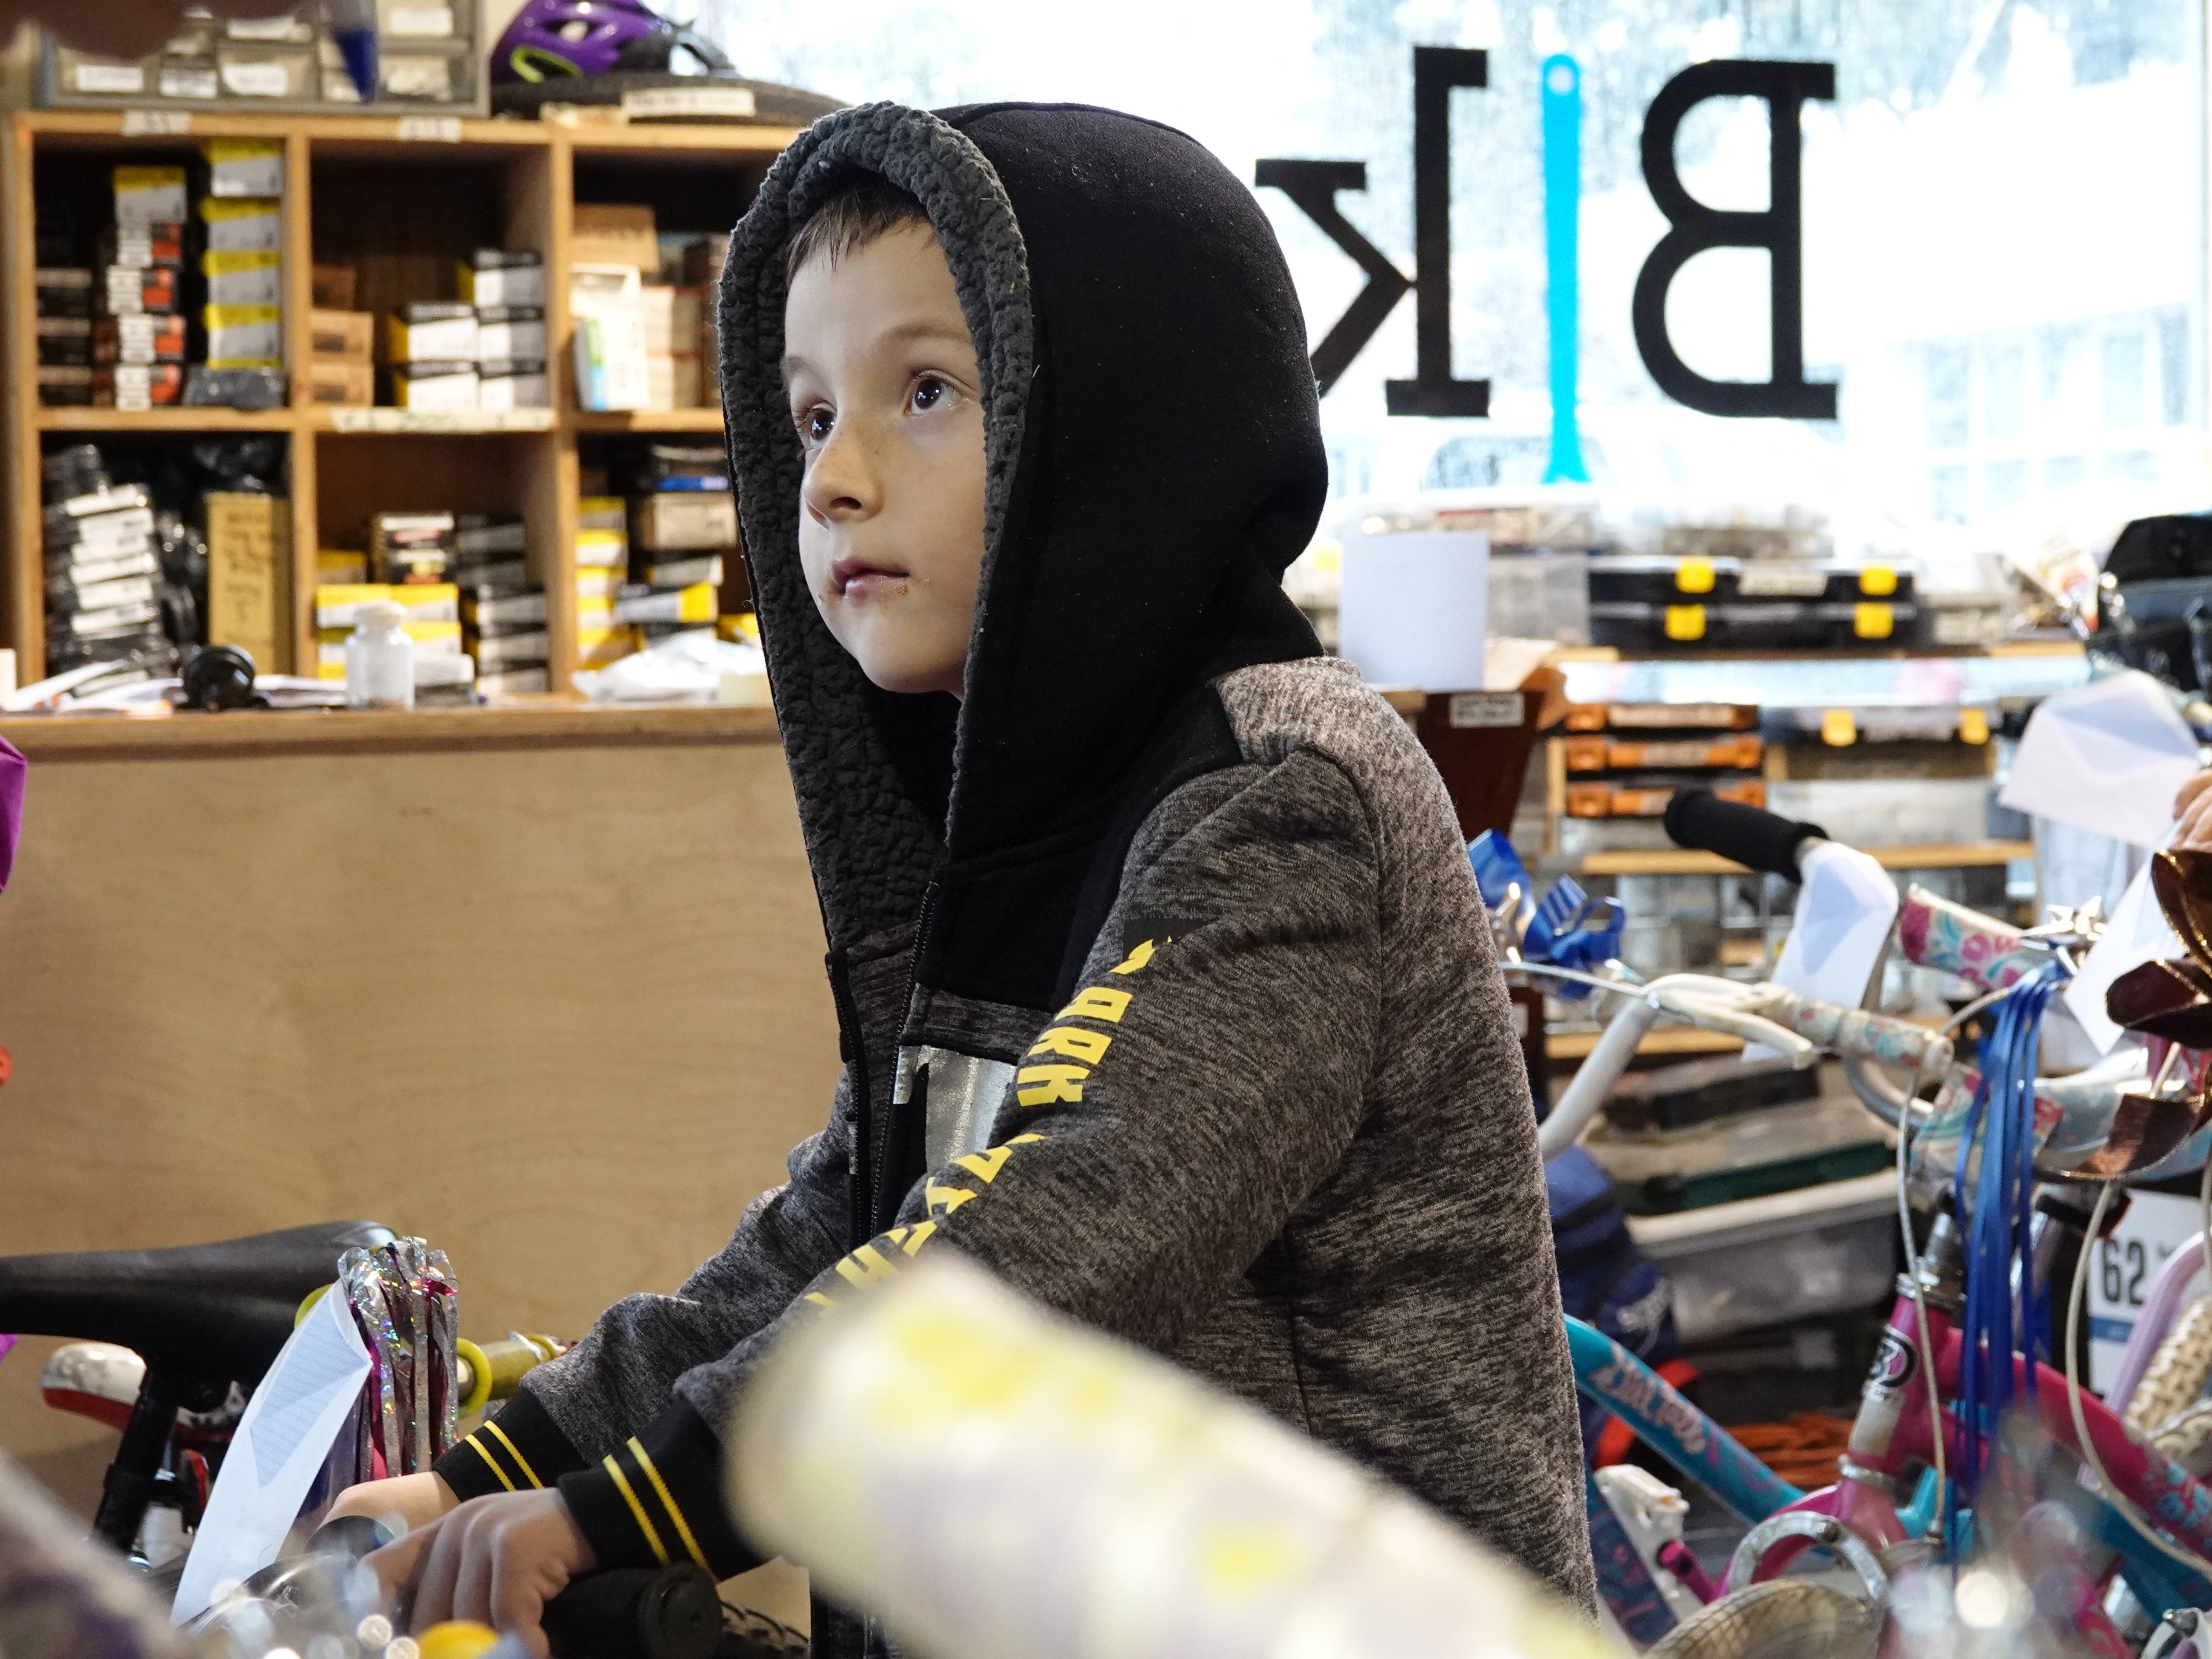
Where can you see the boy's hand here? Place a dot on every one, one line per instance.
(497, 1560)
(414, 1500)
(2193, 806)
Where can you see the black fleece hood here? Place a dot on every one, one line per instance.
(1153, 462)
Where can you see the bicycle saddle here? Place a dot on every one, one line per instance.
(212, 1313)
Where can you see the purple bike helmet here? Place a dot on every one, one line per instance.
(550, 39)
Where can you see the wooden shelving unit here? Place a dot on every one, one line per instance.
(1682, 861)
(402, 200)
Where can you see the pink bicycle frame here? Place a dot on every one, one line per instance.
(1893, 1435)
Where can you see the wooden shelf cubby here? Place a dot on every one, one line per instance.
(400, 200)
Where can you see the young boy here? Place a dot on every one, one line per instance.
(1024, 434)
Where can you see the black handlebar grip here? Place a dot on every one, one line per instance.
(636, 1612)
(1754, 837)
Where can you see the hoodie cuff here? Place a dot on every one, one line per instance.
(520, 1450)
(658, 1499)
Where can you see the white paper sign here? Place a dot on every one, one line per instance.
(1412, 608)
(281, 1442)
(2136, 933)
(1843, 916)
(2107, 757)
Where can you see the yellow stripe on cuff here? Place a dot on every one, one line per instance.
(645, 1463)
(516, 1452)
(490, 1462)
(645, 1526)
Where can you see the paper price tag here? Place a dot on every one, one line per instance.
(429, 128)
(2121, 1272)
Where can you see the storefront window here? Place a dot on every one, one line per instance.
(2003, 225)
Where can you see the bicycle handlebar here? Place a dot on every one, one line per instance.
(652, 1613)
(1757, 839)
(671, 1612)
(1716, 1004)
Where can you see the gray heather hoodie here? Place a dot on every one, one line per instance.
(1164, 988)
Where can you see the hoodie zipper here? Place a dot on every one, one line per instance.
(882, 1173)
(859, 1200)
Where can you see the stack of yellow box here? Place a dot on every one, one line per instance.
(602, 567)
(434, 614)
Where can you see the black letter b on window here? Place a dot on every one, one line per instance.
(1695, 228)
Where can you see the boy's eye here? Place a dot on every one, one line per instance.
(930, 392)
(814, 426)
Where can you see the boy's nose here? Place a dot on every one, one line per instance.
(842, 484)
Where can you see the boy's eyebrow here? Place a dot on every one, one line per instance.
(922, 328)
(930, 328)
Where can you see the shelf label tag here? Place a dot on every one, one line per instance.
(156, 122)
(706, 103)
(1483, 708)
(430, 129)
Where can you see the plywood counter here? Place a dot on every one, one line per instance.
(544, 986)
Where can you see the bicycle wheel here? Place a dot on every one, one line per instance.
(1786, 1618)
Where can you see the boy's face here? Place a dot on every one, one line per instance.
(882, 378)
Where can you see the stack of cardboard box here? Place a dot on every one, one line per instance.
(341, 341)
(507, 287)
(138, 326)
(684, 522)
(241, 261)
(63, 329)
(502, 610)
(101, 570)
(602, 564)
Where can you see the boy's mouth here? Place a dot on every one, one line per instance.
(855, 578)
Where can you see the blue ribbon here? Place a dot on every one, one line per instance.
(1997, 1208)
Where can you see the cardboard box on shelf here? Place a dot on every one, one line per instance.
(146, 339)
(340, 566)
(333, 286)
(601, 233)
(685, 521)
(335, 383)
(244, 337)
(609, 338)
(600, 645)
(671, 382)
(679, 604)
(149, 195)
(244, 167)
(342, 333)
(500, 277)
(338, 604)
(510, 333)
(434, 385)
(433, 330)
(514, 682)
(601, 512)
(243, 224)
(135, 290)
(602, 550)
(249, 278)
(672, 318)
(137, 385)
(513, 385)
(249, 542)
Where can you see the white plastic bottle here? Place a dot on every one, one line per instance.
(380, 659)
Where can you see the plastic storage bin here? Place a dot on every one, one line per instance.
(1889, 812)
(1802, 1254)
